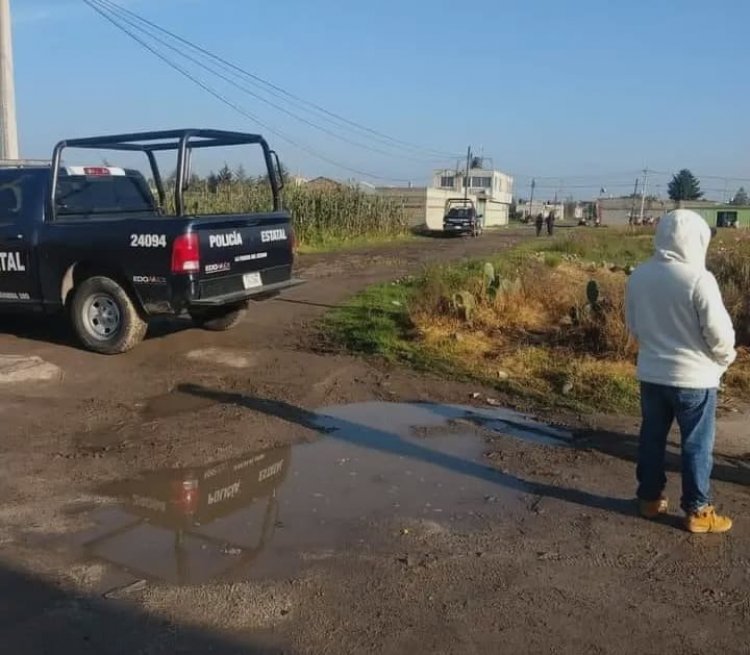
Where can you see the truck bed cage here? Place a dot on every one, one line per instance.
(165, 140)
(183, 141)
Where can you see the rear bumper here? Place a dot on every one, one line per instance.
(454, 227)
(258, 293)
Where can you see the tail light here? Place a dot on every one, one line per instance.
(96, 170)
(186, 254)
(185, 496)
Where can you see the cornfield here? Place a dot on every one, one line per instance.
(319, 215)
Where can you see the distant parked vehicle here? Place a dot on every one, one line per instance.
(461, 217)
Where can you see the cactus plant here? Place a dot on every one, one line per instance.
(496, 285)
(464, 305)
(489, 274)
(592, 292)
(594, 305)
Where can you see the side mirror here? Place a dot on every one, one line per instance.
(277, 172)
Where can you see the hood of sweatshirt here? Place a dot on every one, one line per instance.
(683, 236)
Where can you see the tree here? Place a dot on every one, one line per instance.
(225, 175)
(477, 162)
(741, 197)
(685, 186)
(240, 174)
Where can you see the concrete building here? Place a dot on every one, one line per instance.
(491, 191)
(721, 215)
(618, 211)
(325, 183)
(523, 209)
(413, 201)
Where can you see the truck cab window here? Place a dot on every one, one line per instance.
(13, 189)
(85, 195)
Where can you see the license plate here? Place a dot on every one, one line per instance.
(252, 280)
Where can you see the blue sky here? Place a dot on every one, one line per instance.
(585, 91)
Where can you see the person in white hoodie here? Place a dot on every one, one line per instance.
(686, 341)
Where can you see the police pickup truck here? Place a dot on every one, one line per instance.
(95, 242)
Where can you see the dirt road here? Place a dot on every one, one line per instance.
(243, 493)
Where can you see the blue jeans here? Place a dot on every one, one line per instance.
(695, 412)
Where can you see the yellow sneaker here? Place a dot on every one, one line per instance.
(707, 520)
(651, 509)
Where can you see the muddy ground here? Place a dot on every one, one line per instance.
(249, 493)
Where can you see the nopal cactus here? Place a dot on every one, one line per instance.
(592, 293)
(593, 307)
(463, 304)
(496, 285)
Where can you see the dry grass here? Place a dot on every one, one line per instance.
(528, 335)
(729, 260)
(525, 341)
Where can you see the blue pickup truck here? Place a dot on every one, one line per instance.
(95, 242)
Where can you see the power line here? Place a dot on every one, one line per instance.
(276, 90)
(245, 89)
(232, 105)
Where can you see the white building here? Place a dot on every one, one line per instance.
(491, 191)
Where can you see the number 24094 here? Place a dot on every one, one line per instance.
(148, 241)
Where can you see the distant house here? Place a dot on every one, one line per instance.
(324, 183)
(719, 214)
(297, 180)
(620, 211)
(544, 207)
(490, 190)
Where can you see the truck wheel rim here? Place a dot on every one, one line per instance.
(101, 316)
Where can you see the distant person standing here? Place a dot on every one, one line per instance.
(550, 223)
(686, 343)
(539, 224)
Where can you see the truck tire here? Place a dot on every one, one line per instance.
(104, 317)
(221, 320)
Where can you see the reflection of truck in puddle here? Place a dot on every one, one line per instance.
(194, 524)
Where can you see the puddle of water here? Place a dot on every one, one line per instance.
(266, 512)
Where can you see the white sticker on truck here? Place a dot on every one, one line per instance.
(251, 257)
(269, 236)
(225, 240)
(10, 262)
(222, 267)
(148, 241)
(10, 295)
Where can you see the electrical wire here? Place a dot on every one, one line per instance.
(278, 91)
(239, 109)
(252, 93)
(130, 17)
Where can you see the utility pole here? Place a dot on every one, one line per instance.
(531, 198)
(632, 205)
(643, 192)
(8, 125)
(468, 170)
